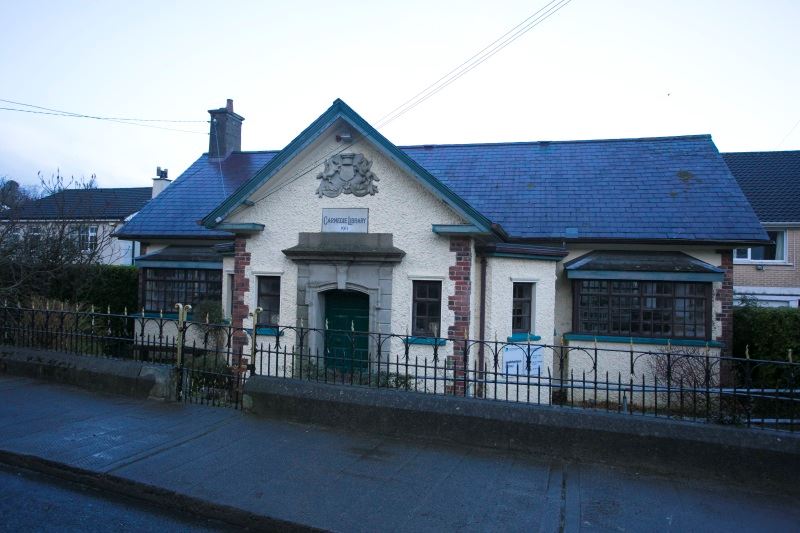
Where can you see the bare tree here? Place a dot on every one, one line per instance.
(36, 248)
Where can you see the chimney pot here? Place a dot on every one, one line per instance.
(160, 182)
(226, 131)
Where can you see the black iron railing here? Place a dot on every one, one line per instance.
(679, 382)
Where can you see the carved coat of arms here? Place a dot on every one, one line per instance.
(347, 174)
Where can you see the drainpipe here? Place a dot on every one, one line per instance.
(482, 328)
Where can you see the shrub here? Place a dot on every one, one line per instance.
(104, 286)
(766, 332)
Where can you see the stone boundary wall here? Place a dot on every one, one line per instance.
(116, 376)
(752, 457)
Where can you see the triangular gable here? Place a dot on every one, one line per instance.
(340, 110)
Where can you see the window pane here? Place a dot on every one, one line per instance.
(426, 308)
(269, 300)
(644, 308)
(740, 253)
(522, 308)
(164, 287)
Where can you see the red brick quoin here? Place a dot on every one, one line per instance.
(461, 274)
(725, 295)
(241, 285)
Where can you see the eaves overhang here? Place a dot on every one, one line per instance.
(522, 251)
(644, 266)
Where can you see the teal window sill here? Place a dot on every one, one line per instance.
(523, 337)
(430, 341)
(641, 340)
(265, 331)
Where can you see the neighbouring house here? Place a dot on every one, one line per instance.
(769, 274)
(622, 244)
(88, 215)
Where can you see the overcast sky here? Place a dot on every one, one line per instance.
(596, 69)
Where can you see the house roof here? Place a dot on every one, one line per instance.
(86, 204)
(176, 211)
(771, 181)
(644, 189)
(653, 189)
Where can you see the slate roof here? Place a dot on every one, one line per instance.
(651, 188)
(667, 188)
(771, 181)
(175, 212)
(86, 204)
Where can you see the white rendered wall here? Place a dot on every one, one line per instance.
(501, 273)
(288, 205)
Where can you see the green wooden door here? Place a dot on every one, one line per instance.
(347, 319)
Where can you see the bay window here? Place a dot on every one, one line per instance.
(660, 309)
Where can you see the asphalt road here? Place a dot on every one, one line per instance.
(30, 501)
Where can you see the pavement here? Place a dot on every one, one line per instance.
(274, 474)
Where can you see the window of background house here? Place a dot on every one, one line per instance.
(522, 308)
(87, 238)
(642, 308)
(771, 252)
(34, 235)
(269, 300)
(164, 287)
(426, 308)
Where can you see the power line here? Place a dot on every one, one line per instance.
(81, 115)
(517, 31)
(423, 91)
(790, 133)
(60, 114)
(434, 89)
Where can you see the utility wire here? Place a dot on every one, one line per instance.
(790, 133)
(59, 114)
(81, 115)
(507, 38)
(472, 62)
(426, 89)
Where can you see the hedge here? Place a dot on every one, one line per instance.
(766, 332)
(103, 286)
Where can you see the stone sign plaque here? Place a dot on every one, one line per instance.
(354, 220)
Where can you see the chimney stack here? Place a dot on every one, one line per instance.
(226, 131)
(160, 182)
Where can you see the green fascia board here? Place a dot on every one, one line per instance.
(524, 256)
(523, 337)
(641, 340)
(341, 110)
(645, 276)
(245, 227)
(458, 229)
(430, 341)
(197, 265)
